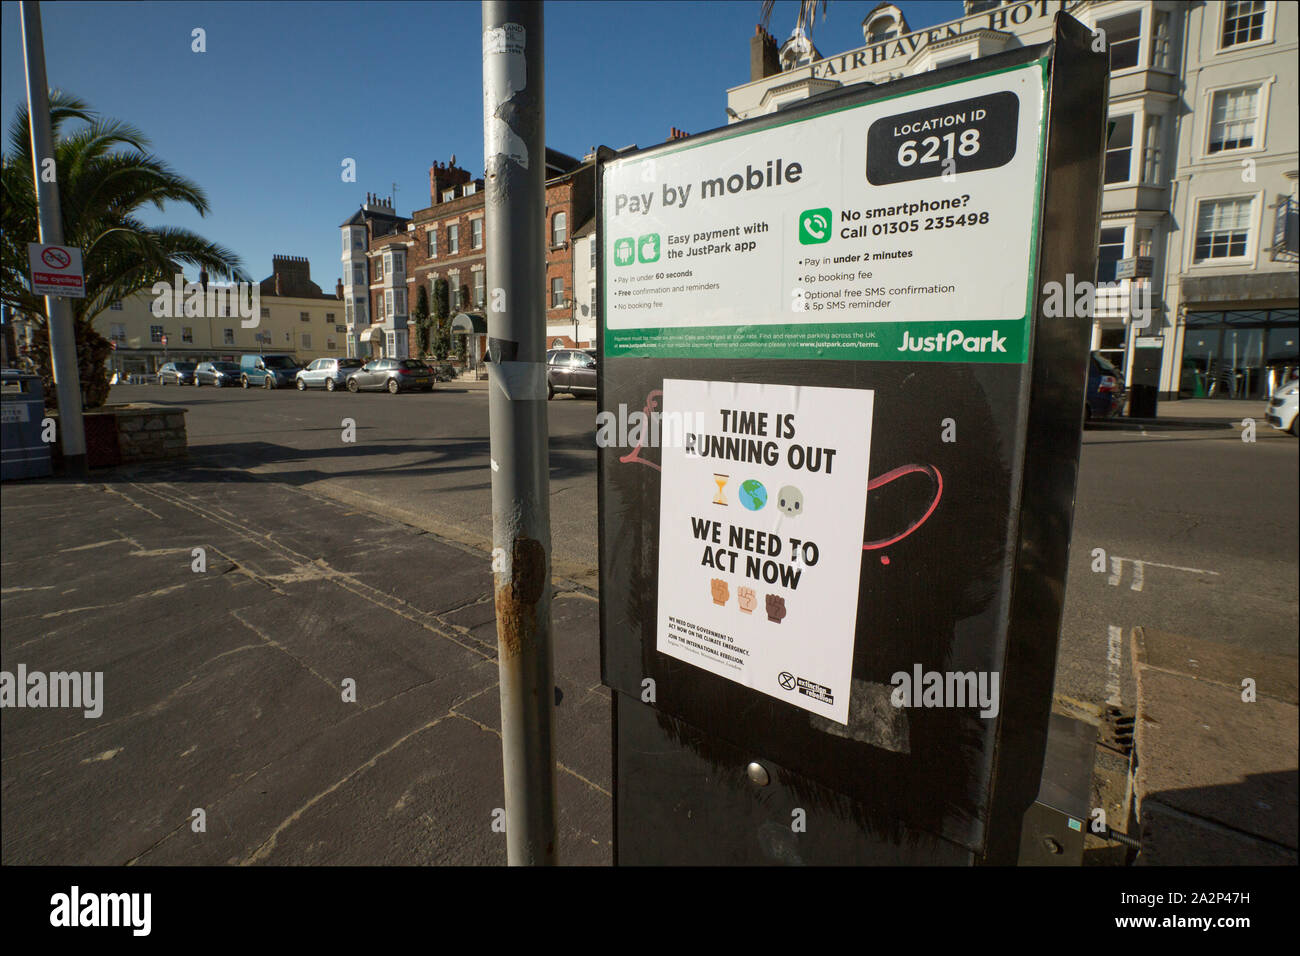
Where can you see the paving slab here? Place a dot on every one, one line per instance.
(1274, 675)
(1204, 752)
(223, 690)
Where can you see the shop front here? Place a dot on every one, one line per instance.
(1242, 354)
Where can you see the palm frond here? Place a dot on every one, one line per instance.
(805, 19)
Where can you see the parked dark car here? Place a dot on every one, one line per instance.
(571, 370)
(327, 373)
(1105, 389)
(177, 373)
(219, 374)
(267, 370)
(395, 375)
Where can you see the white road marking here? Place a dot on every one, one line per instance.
(1115, 644)
(1139, 571)
(1173, 567)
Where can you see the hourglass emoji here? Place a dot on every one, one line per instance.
(720, 498)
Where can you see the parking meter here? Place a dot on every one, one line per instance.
(1144, 383)
(838, 442)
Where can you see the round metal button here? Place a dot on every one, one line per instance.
(758, 774)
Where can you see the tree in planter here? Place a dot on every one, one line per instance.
(423, 321)
(105, 178)
(462, 341)
(441, 317)
(442, 341)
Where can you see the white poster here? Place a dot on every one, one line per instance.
(762, 506)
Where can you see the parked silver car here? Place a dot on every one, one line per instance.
(327, 373)
(396, 375)
(217, 373)
(177, 373)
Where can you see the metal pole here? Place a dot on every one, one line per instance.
(515, 155)
(63, 340)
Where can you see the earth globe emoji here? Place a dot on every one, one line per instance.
(752, 494)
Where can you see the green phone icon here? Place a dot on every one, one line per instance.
(815, 226)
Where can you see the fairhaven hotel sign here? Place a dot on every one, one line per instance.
(1003, 18)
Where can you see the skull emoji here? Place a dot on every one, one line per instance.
(720, 591)
(789, 501)
(747, 599)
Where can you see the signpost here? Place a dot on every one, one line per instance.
(59, 265)
(833, 539)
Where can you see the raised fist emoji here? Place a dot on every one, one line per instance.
(747, 598)
(720, 591)
(775, 608)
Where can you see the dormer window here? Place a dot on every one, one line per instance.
(448, 195)
(797, 51)
(885, 23)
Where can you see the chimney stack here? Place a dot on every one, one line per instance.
(764, 60)
(445, 177)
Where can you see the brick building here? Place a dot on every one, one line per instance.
(363, 317)
(570, 206)
(388, 258)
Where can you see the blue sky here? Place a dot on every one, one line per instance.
(263, 119)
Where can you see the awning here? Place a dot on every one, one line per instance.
(366, 335)
(465, 323)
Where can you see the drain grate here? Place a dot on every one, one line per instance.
(1117, 730)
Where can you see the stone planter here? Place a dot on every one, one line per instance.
(129, 434)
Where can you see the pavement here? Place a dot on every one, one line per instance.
(1216, 743)
(421, 459)
(225, 690)
(314, 547)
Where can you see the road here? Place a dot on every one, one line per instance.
(1198, 528)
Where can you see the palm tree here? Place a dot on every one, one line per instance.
(806, 18)
(105, 175)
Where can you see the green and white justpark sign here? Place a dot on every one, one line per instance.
(900, 229)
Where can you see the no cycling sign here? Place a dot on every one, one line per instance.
(56, 270)
(862, 232)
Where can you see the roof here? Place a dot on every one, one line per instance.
(359, 217)
(586, 229)
(560, 162)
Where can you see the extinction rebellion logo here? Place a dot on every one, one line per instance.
(809, 688)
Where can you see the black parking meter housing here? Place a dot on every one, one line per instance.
(1144, 382)
(708, 771)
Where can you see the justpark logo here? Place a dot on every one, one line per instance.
(953, 341)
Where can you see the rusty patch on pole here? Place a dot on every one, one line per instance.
(516, 598)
